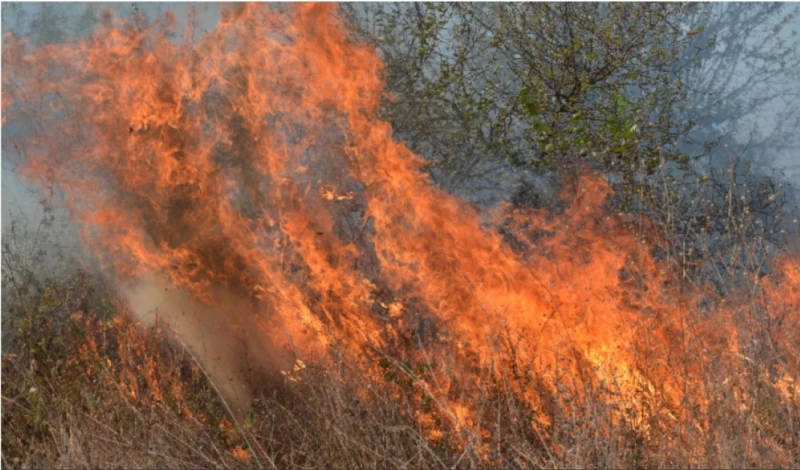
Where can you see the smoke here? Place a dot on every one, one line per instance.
(221, 335)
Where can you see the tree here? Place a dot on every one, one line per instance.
(536, 85)
(746, 82)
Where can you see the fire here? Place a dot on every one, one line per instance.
(250, 171)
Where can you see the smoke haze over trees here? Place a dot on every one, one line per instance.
(480, 89)
(505, 99)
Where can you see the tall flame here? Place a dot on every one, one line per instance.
(251, 170)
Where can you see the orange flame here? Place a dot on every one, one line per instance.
(253, 165)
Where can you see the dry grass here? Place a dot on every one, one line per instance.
(83, 386)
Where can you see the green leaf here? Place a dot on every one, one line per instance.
(528, 103)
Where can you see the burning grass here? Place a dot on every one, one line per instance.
(286, 287)
(84, 386)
